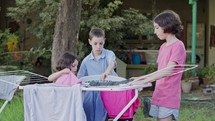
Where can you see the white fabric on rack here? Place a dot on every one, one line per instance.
(8, 85)
(48, 102)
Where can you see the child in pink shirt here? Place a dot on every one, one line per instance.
(67, 68)
(167, 94)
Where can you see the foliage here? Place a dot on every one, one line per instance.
(207, 72)
(136, 23)
(187, 75)
(9, 41)
(43, 13)
(81, 49)
(201, 72)
(149, 69)
(102, 16)
(40, 52)
(95, 13)
(117, 23)
(25, 60)
(8, 48)
(31, 57)
(12, 43)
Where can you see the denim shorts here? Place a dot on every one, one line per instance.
(163, 112)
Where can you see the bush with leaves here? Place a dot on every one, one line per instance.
(207, 73)
(43, 13)
(136, 23)
(8, 41)
(107, 15)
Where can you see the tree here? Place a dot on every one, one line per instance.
(66, 29)
(106, 14)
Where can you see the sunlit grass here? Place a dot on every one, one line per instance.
(14, 110)
(189, 111)
(185, 114)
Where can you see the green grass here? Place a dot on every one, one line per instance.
(14, 110)
(185, 114)
(189, 111)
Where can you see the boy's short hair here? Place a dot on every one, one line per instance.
(66, 61)
(169, 21)
(96, 32)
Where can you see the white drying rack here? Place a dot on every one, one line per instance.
(11, 80)
(176, 70)
(111, 88)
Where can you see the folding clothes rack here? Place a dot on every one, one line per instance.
(8, 86)
(14, 79)
(11, 80)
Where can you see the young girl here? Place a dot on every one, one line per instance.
(167, 94)
(67, 68)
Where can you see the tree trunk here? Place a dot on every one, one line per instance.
(66, 29)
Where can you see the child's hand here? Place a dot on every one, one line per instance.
(66, 70)
(103, 76)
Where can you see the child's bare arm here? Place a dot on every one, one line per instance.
(108, 70)
(156, 76)
(53, 77)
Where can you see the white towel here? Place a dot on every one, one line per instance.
(48, 102)
(8, 85)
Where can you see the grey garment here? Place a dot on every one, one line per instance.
(8, 86)
(48, 102)
(107, 82)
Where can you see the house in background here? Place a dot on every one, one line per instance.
(205, 46)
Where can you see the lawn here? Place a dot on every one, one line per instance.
(14, 110)
(190, 111)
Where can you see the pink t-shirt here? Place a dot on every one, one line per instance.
(168, 90)
(68, 80)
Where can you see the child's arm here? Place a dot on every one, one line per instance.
(110, 67)
(156, 76)
(53, 77)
